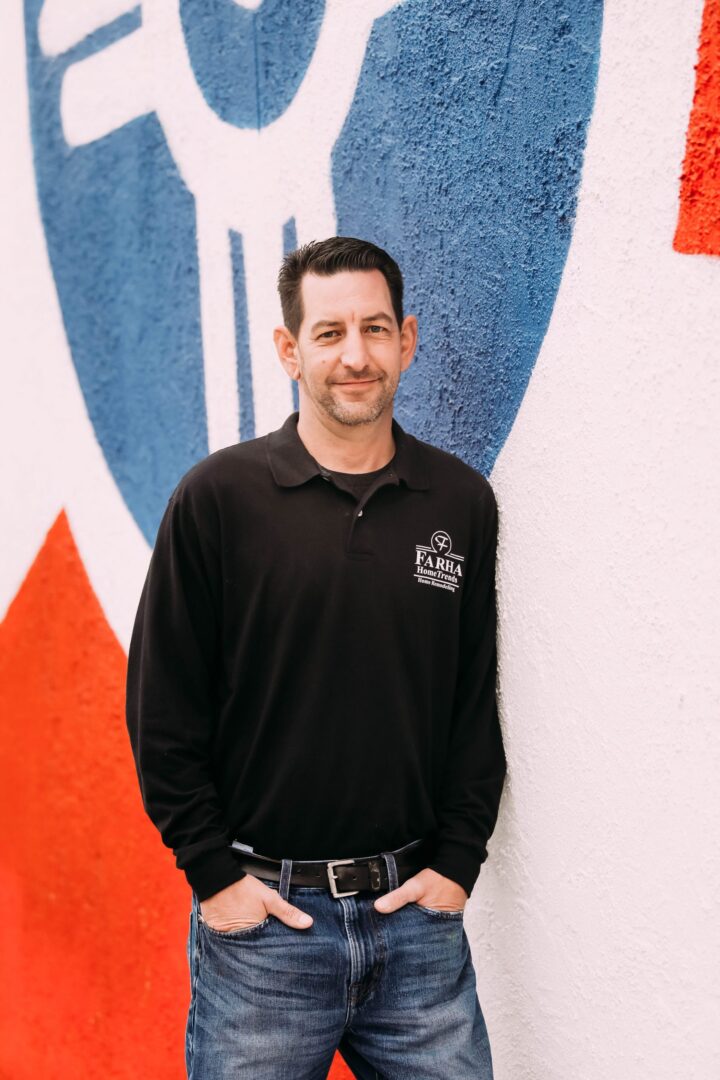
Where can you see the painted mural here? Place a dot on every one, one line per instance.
(179, 147)
(169, 188)
(698, 227)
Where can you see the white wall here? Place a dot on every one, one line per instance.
(595, 922)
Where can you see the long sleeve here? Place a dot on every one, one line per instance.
(171, 695)
(475, 765)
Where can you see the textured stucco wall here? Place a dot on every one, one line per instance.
(596, 921)
(547, 176)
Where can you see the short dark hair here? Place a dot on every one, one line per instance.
(328, 257)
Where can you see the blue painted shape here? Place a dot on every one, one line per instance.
(242, 339)
(120, 231)
(249, 64)
(290, 242)
(462, 156)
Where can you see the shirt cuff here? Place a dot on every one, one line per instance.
(214, 871)
(458, 864)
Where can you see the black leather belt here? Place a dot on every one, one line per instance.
(344, 877)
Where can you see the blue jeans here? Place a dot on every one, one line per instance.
(395, 994)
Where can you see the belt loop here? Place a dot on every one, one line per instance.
(391, 870)
(285, 872)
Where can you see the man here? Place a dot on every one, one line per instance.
(311, 705)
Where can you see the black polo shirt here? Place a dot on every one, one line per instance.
(314, 674)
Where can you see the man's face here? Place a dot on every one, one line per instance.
(350, 350)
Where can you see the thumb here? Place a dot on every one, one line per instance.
(395, 899)
(288, 913)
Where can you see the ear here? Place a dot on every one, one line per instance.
(408, 341)
(286, 347)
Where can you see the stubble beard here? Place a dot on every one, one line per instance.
(352, 415)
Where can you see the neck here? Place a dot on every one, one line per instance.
(346, 448)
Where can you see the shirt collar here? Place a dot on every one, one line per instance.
(291, 463)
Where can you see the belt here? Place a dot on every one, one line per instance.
(344, 877)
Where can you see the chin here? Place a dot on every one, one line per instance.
(352, 419)
(361, 414)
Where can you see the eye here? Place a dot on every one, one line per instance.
(327, 334)
(375, 329)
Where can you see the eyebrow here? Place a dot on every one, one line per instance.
(381, 316)
(324, 322)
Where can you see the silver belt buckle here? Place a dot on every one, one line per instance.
(331, 878)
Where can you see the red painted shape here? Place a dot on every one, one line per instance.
(95, 915)
(340, 1070)
(698, 228)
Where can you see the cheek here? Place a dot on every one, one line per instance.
(325, 361)
(316, 368)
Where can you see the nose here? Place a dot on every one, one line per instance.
(354, 354)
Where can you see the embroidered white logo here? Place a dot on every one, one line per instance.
(438, 564)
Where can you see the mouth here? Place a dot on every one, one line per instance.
(356, 382)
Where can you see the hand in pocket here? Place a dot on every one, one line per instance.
(245, 904)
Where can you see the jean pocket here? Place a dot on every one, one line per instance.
(233, 935)
(436, 913)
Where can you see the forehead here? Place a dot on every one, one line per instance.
(349, 294)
